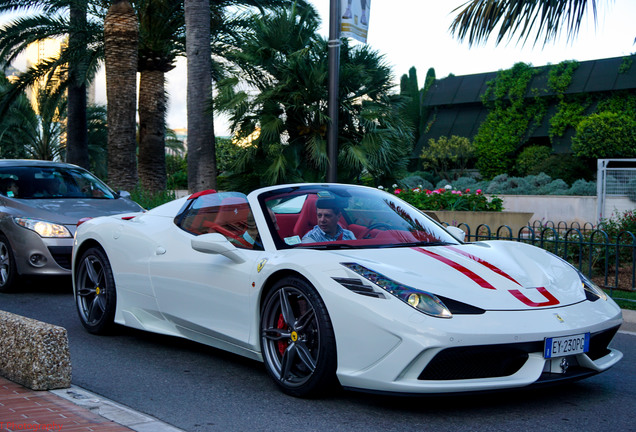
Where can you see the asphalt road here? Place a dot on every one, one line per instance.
(197, 388)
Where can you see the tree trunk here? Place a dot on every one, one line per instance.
(120, 55)
(201, 145)
(77, 127)
(152, 129)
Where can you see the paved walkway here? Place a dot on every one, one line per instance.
(69, 410)
(22, 409)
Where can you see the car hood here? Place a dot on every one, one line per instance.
(68, 211)
(497, 275)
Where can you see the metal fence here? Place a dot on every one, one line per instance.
(610, 261)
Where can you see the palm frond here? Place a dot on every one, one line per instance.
(477, 20)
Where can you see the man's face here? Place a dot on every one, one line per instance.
(328, 220)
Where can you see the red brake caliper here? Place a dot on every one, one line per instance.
(282, 345)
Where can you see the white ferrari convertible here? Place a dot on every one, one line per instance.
(337, 284)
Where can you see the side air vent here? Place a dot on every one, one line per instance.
(358, 287)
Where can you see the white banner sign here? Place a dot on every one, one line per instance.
(355, 19)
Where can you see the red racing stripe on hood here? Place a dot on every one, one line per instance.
(472, 275)
(484, 263)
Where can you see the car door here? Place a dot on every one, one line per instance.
(206, 293)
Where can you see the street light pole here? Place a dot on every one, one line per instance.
(334, 78)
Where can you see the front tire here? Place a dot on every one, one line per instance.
(8, 272)
(297, 339)
(95, 294)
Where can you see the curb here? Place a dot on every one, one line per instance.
(629, 316)
(113, 411)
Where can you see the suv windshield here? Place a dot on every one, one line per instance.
(44, 182)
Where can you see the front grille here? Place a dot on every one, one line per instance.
(487, 361)
(490, 361)
(62, 255)
(599, 343)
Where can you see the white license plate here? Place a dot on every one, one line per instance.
(566, 345)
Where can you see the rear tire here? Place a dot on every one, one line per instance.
(95, 293)
(8, 271)
(297, 339)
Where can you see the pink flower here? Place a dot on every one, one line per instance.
(467, 190)
(397, 191)
(478, 191)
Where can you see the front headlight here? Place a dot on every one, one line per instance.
(43, 228)
(592, 291)
(423, 301)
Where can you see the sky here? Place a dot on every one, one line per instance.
(415, 33)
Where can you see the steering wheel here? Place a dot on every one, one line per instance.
(377, 225)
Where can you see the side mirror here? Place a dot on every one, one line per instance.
(458, 233)
(123, 194)
(215, 243)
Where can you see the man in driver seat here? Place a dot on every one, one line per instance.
(328, 213)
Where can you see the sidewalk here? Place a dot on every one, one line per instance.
(77, 410)
(68, 410)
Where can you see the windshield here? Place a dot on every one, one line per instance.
(345, 216)
(46, 182)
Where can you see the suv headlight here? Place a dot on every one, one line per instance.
(43, 228)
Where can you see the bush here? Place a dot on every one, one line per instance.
(177, 172)
(530, 158)
(605, 135)
(625, 221)
(150, 200)
(582, 187)
(415, 181)
(448, 156)
(449, 199)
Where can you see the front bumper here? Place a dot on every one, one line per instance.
(493, 351)
(35, 255)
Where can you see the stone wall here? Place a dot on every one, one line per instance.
(33, 353)
(569, 209)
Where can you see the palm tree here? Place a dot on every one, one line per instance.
(49, 23)
(477, 19)
(161, 39)
(161, 29)
(38, 135)
(201, 145)
(285, 60)
(120, 55)
(77, 131)
(25, 132)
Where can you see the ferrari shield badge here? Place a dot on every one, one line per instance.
(260, 265)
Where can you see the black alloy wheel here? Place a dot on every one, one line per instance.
(297, 339)
(95, 295)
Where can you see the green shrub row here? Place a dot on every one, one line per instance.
(503, 184)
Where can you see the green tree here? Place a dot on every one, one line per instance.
(409, 89)
(25, 133)
(477, 20)
(285, 60)
(448, 157)
(75, 67)
(605, 135)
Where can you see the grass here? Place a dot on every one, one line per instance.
(623, 298)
